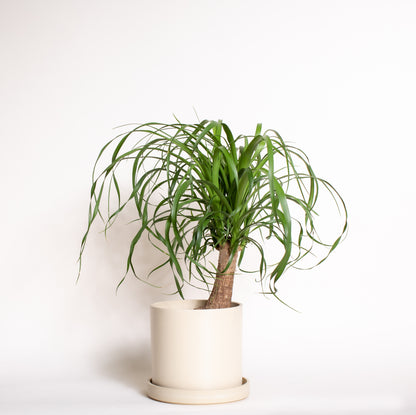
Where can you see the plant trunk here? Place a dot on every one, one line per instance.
(223, 286)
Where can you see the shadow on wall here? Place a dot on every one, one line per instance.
(118, 326)
(130, 366)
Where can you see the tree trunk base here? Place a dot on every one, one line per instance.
(222, 290)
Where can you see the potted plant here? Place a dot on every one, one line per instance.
(198, 189)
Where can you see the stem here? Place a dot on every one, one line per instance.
(222, 290)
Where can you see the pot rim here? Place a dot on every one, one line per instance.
(188, 306)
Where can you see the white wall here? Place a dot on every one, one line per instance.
(335, 77)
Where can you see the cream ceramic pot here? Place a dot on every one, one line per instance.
(196, 352)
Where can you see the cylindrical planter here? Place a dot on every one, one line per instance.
(196, 353)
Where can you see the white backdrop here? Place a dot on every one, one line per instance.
(335, 77)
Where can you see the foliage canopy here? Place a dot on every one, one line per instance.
(215, 188)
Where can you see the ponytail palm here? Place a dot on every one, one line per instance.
(197, 188)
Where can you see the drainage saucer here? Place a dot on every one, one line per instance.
(197, 397)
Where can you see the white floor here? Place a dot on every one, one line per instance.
(91, 394)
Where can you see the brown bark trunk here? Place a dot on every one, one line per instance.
(222, 290)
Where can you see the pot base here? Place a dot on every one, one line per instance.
(197, 397)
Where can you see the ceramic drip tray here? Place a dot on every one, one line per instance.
(197, 397)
